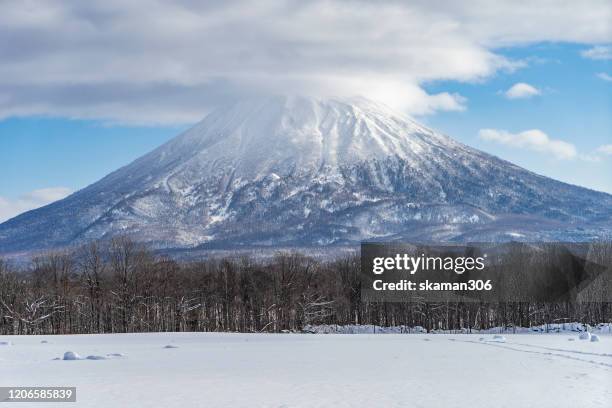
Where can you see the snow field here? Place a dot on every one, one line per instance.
(303, 370)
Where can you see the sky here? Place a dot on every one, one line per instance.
(87, 87)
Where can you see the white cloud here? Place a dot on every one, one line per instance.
(533, 139)
(538, 141)
(31, 200)
(156, 61)
(599, 52)
(521, 90)
(604, 76)
(605, 149)
(400, 95)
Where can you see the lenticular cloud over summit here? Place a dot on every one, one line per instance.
(301, 171)
(167, 62)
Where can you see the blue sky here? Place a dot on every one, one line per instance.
(575, 106)
(44, 152)
(88, 87)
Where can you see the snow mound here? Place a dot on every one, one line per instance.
(594, 337)
(498, 339)
(170, 346)
(584, 336)
(5, 343)
(115, 355)
(71, 355)
(44, 342)
(95, 357)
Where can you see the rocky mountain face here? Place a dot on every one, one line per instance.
(294, 171)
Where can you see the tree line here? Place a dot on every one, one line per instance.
(120, 286)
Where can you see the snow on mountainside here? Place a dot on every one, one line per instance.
(281, 171)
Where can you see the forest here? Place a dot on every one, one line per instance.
(121, 286)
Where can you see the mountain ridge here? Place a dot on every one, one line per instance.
(290, 170)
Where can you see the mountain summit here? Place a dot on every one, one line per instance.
(296, 171)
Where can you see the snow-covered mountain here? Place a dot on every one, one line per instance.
(294, 171)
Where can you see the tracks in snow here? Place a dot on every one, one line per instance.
(548, 351)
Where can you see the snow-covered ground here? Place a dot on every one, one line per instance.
(308, 370)
(572, 327)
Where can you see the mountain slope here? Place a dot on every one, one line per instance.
(301, 171)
